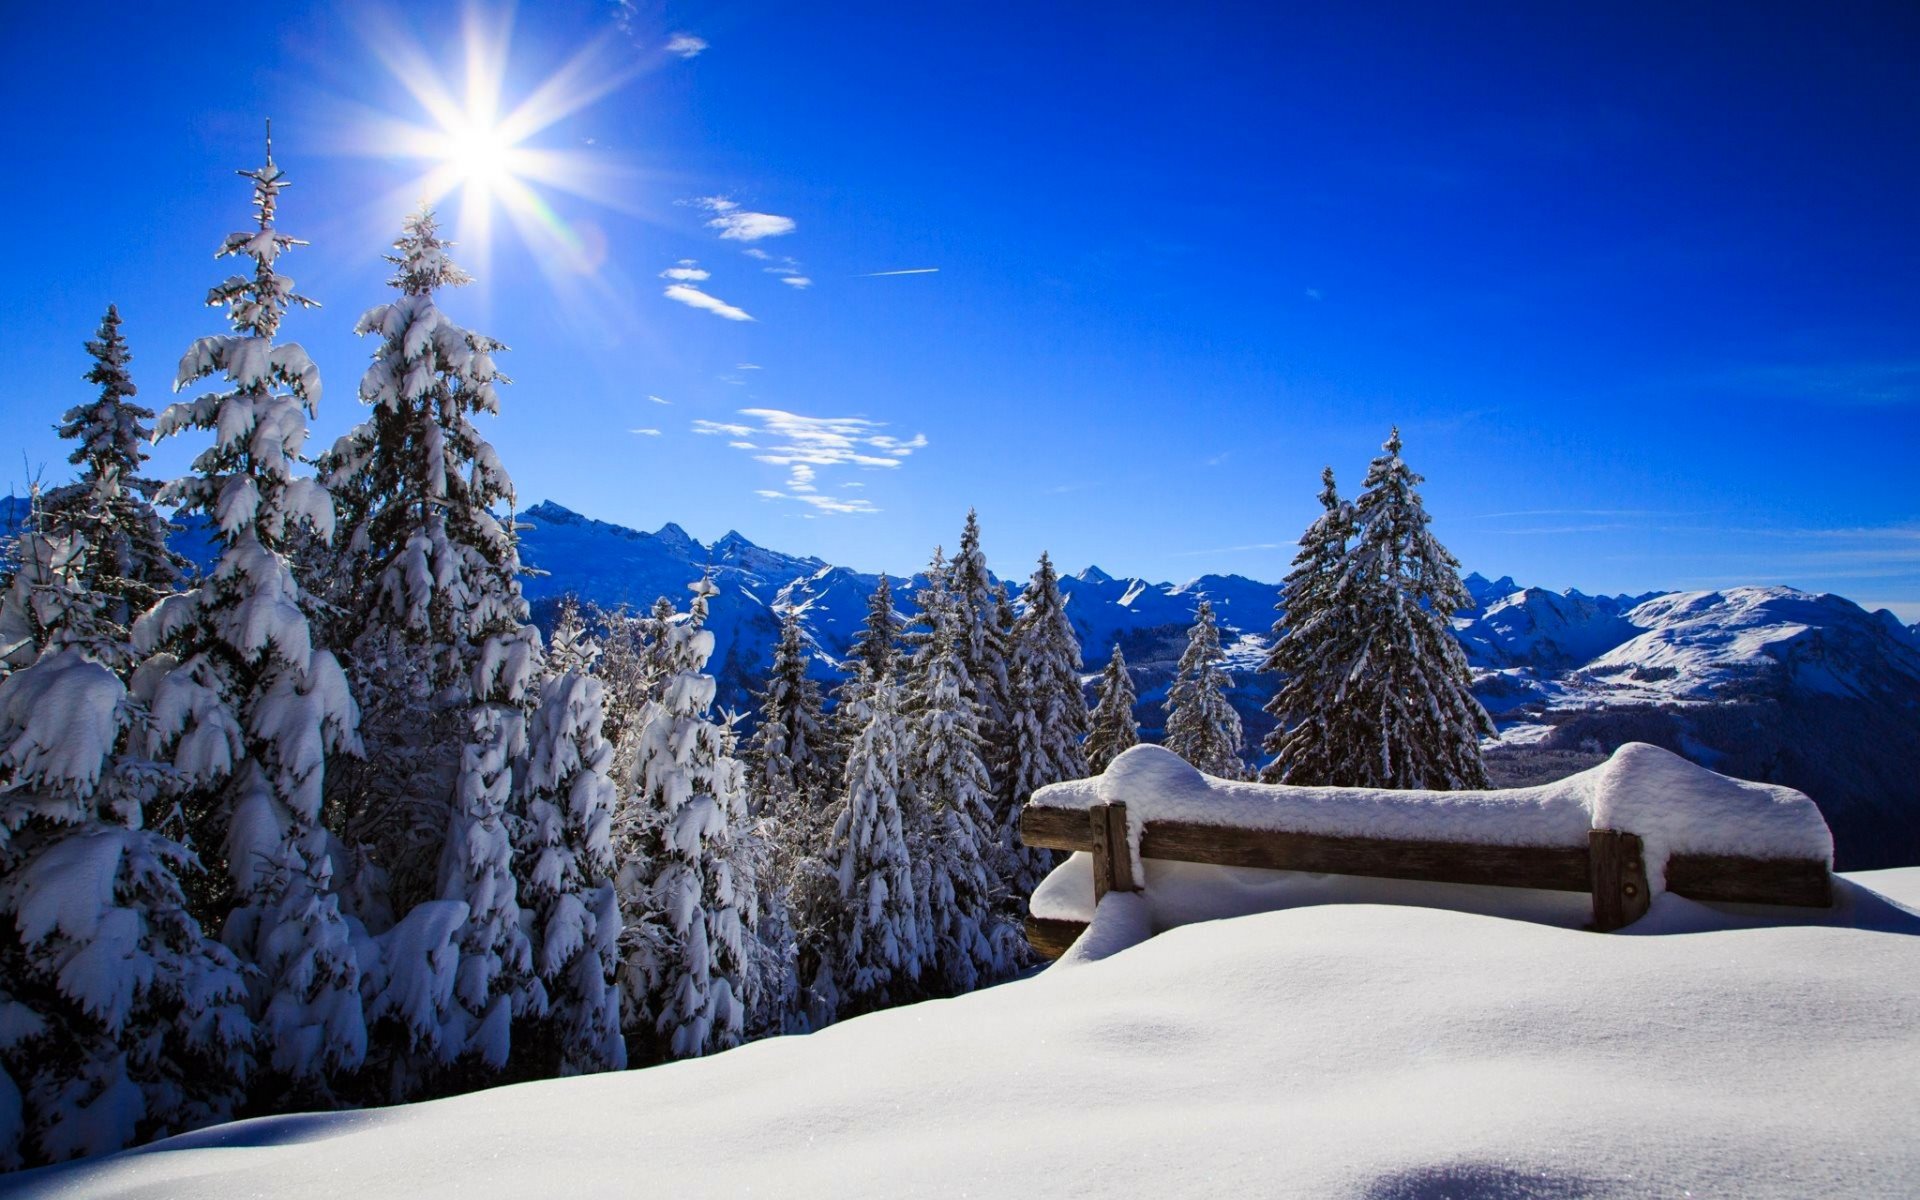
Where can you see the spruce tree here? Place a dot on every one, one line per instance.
(427, 571)
(876, 954)
(788, 753)
(1114, 729)
(1316, 604)
(248, 710)
(1202, 726)
(566, 861)
(947, 807)
(571, 649)
(130, 566)
(875, 654)
(983, 645)
(686, 869)
(1407, 716)
(1047, 723)
(124, 1020)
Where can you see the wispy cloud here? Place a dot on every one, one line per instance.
(1871, 382)
(906, 271)
(740, 225)
(687, 271)
(1246, 549)
(1314, 294)
(658, 400)
(807, 446)
(693, 297)
(746, 366)
(645, 432)
(796, 281)
(1571, 512)
(686, 45)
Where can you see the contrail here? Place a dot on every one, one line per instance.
(909, 271)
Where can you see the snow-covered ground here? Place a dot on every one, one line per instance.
(1350, 1050)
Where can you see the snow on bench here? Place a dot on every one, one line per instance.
(1643, 822)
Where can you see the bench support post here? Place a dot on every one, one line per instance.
(1618, 870)
(1112, 860)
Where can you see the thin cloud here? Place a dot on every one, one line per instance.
(756, 252)
(645, 432)
(810, 446)
(797, 281)
(686, 45)
(746, 366)
(739, 225)
(907, 271)
(1314, 294)
(693, 297)
(686, 271)
(658, 400)
(1246, 549)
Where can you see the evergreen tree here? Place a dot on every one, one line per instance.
(877, 951)
(947, 806)
(1406, 713)
(1202, 726)
(245, 706)
(571, 650)
(788, 753)
(111, 503)
(1114, 728)
(875, 654)
(1047, 723)
(566, 857)
(1315, 606)
(123, 1020)
(983, 645)
(426, 579)
(687, 865)
(47, 600)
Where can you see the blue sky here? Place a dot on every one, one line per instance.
(1640, 283)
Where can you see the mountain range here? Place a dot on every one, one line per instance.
(1765, 683)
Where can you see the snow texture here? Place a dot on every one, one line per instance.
(1359, 1051)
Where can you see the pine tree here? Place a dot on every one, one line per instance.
(1202, 726)
(946, 800)
(566, 858)
(571, 649)
(875, 654)
(47, 600)
(246, 707)
(426, 581)
(1406, 714)
(788, 754)
(1114, 728)
(687, 886)
(1047, 723)
(877, 948)
(1315, 605)
(111, 503)
(983, 648)
(123, 1020)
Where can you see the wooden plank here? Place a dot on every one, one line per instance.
(1799, 882)
(1050, 936)
(1055, 828)
(1620, 893)
(1120, 854)
(1098, 831)
(1556, 868)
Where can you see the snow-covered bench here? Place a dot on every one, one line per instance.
(1643, 822)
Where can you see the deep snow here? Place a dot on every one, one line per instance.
(1349, 1050)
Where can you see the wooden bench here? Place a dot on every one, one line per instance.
(1610, 866)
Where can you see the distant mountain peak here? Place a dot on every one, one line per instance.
(672, 535)
(554, 514)
(1092, 574)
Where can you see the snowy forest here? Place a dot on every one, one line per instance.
(331, 824)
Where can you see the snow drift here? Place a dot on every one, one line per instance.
(1343, 1051)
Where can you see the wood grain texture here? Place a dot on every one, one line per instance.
(1055, 828)
(1619, 873)
(1100, 833)
(1050, 936)
(1798, 882)
(1556, 868)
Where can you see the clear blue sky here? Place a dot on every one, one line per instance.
(1640, 283)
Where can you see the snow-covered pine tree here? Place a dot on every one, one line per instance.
(130, 566)
(571, 649)
(1047, 723)
(1202, 726)
(946, 802)
(566, 862)
(875, 653)
(120, 1020)
(1315, 610)
(686, 865)
(47, 600)
(787, 756)
(1407, 716)
(246, 707)
(1114, 728)
(427, 582)
(876, 954)
(984, 645)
